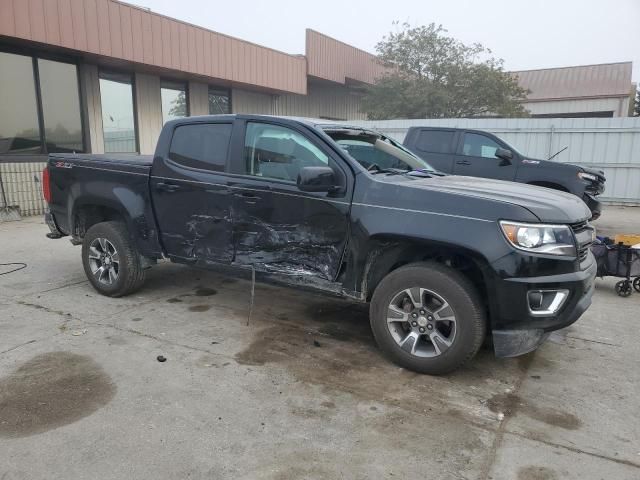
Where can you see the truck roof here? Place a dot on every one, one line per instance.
(309, 121)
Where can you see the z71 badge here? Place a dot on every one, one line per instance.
(63, 165)
(532, 162)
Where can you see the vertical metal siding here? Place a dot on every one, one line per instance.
(334, 60)
(245, 101)
(90, 91)
(148, 111)
(609, 144)
(619, 106)
(322, 101)
(198, 98)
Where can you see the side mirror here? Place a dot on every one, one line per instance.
(504, 154)
(316, 179)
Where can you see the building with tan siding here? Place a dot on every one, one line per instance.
(602, 90)
(103, 76)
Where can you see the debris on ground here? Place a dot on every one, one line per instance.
(77, 333)
(162, 358)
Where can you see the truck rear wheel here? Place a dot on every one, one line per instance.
(111, 261)
(428, 318)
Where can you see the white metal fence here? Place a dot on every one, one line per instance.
(609, 144)
(22, 184)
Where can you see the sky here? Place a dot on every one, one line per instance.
(527, 34)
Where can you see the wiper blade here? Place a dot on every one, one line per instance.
(389, 171)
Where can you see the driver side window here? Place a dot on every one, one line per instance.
(278, 152)
(476, 145)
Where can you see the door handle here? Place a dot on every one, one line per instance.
(167, 187)
(247, 196)
(463, 162)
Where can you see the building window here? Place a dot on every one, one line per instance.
(60, 106)
(19, 129)
(118, 116)
(219, 101)
(31, 127)
(174, 100)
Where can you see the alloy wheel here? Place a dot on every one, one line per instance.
(104, 261)
(421, 322)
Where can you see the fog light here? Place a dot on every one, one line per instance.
(543, 303)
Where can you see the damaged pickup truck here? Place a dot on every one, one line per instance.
(442, 260)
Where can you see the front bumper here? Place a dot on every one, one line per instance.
(594, 205)
(516, 330)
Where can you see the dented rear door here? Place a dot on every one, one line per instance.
(191, 193)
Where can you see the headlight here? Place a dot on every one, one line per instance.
(588, 176)
(549, 239)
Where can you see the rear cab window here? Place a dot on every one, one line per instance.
(201, 145)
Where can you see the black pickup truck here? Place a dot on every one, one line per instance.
(477, 153)
(442, 259)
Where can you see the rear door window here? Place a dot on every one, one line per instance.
(435, 141)
(201, 145)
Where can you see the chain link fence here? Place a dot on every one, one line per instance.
(21, 186)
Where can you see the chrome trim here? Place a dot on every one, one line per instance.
(422, 211)
(555, 305)
(109, 170)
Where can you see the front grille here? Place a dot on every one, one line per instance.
(584, 238)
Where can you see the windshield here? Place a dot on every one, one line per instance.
(376, 152)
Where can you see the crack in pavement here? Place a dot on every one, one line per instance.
(628, 463)
(18, 346)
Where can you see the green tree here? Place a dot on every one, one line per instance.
(432, 75)
(636, 108)
(179, 105)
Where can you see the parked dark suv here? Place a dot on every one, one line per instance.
(481, 154)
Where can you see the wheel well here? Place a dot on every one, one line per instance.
(89, 215)
(555, 186)
(461, 260)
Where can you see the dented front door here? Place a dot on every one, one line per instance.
(277, 227)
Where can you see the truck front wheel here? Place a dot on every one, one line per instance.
(111, 261)
(428, 318)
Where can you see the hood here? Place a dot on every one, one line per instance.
(548, 205)
(593, 171)
(572, 166)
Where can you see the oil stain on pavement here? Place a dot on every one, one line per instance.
(52, 390)
(509, 404)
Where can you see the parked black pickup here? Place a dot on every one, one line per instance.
(481, 154)
(443, 260)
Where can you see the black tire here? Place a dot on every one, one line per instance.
(451, 286)
(636, 284)
(623, 288)
(130, 274)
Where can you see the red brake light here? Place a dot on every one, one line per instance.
(46, 187)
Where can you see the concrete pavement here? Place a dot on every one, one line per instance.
(299, 392)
